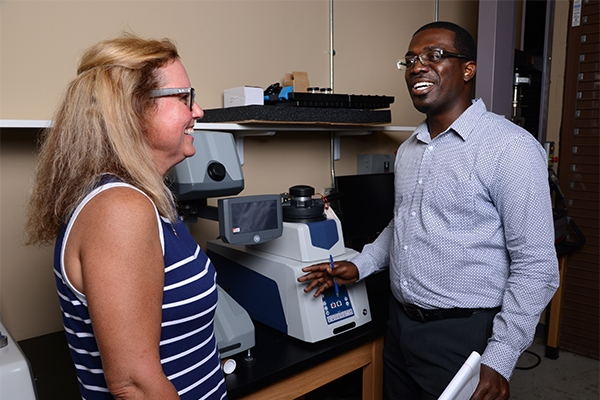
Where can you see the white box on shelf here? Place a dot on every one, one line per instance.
(243, 96)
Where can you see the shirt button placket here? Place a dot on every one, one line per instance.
(416, 206)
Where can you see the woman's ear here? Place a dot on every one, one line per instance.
(470, 69)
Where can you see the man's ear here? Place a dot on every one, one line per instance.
(470, 69)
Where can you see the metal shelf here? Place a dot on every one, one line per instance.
(239, 131)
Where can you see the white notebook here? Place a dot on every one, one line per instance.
(464, 383)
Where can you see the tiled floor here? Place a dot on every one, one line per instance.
(570, 377)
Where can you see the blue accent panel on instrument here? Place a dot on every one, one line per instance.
(337, 306)
(323, 234)
(256, 293)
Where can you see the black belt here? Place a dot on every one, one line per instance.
(423, 314)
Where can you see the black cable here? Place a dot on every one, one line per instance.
(539, 360)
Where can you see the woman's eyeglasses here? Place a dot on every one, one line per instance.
(189, 92)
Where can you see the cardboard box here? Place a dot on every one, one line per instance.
(299, 80)
(243, 96)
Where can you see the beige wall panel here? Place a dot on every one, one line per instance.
(28, 300)
(223, 44)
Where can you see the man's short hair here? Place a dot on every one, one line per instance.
(463, 41)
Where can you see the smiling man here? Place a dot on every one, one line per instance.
(470, 249)
(439, 78)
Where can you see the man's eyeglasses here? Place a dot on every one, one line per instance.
(189, 92)
(427, 58)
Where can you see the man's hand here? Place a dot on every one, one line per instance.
(492, 385)
(321, 275)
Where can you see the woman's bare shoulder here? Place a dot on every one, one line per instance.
(119, 211)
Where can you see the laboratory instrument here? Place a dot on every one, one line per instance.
(264, 243)
(262, 278)
(16, 377)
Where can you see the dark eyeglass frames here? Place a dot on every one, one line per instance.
(190, 98)
(427, 58)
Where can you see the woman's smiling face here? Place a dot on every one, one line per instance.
(171, 121)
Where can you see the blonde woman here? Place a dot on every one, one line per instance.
(137, 293)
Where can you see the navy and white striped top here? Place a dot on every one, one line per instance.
(188, 348)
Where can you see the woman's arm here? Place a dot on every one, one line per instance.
(114, 257)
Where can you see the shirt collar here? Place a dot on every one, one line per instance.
(462, 126)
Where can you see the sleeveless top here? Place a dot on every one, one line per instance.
(188, 348)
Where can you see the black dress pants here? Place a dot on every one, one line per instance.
(421, 358)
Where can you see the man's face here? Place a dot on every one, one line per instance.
(435, 88)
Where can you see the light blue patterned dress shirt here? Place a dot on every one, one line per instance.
(472, 228)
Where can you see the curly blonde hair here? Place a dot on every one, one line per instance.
(99, 128)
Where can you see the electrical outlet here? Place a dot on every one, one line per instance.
(375, 163)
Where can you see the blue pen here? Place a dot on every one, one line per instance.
(337, 289)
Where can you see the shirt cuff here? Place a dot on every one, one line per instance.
(363, 265)
(501, 358)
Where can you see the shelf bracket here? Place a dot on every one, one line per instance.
(336, 140)
(239, 140)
